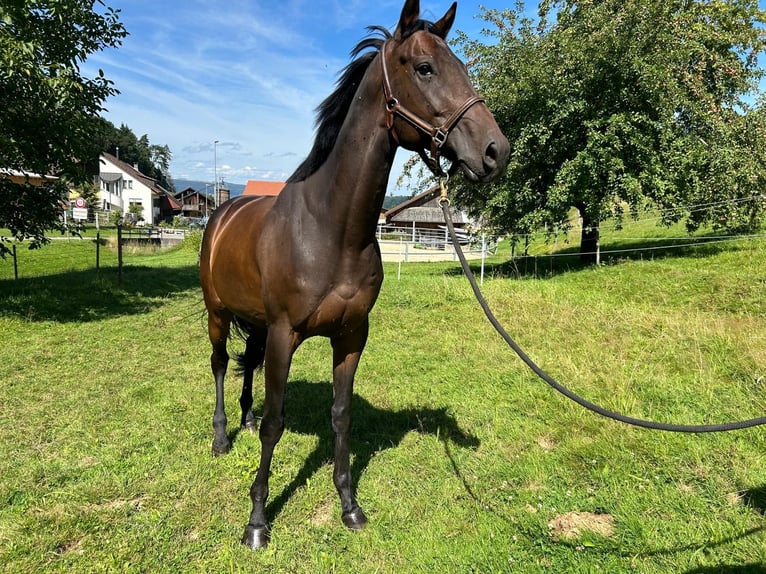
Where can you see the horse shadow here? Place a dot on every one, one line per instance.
(307, 411)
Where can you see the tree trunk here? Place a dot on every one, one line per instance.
(590, 249)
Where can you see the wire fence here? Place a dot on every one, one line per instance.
(401, 245)
(107, 248)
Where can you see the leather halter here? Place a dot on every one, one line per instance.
(438, 135)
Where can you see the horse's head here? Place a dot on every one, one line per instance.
(432, 106)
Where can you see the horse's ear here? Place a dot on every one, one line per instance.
(442, 27)
(410, 15)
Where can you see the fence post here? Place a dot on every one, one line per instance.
(98, 248)
(15, 264)
(483, 255)
(119, 252)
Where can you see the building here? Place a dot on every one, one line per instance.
(121, 185)
(195, 204)
(26, 178)
(263, 188)
(223, 192)
(423, 212)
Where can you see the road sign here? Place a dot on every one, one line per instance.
(80, 203)
(80, 213)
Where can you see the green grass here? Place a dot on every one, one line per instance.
(462, 458)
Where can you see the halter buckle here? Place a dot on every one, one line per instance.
(440, 137)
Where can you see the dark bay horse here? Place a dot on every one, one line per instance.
(307, 262)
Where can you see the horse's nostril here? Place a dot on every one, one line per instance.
(490, 155)
(496, 155)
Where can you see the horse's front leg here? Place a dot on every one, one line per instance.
(281, 343)
(347, 350)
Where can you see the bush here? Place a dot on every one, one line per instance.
(115, 218)
(192, 241)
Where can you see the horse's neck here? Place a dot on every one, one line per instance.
(352, 182)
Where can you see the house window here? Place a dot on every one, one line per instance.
(130, 184)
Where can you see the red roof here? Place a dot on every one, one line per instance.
(255, 187)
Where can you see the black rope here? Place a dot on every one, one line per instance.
(561, 388)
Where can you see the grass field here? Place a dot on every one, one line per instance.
(464, 461)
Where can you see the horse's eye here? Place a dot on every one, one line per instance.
(424, 69)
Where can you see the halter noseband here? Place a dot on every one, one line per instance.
(438, 135)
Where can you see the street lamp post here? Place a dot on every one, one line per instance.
(215, 172)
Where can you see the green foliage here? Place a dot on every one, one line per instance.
(152, 159)
(116, 218)
(193, 241)
(613, 105)
(136, 212)
(48, 107)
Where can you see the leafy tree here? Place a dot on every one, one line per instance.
(116, 218)
(615, 104)
(136, 211)
(49, 109)
(152, 159)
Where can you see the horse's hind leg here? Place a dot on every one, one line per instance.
(255, 350)
(280, 346)
(347, 350)
(218, 326)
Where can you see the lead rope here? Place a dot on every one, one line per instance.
(444, 203)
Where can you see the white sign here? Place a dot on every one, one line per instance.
(80, 213)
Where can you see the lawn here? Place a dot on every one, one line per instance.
(464, 461)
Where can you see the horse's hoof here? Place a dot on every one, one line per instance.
(355, 519)
(255, 537)
(221, 449)
(250, 427)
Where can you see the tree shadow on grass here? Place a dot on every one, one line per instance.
(307, 411)
(92, 295)
(755, 498)
(567, 260)
(730, 569)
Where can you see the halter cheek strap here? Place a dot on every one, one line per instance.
(438, 135)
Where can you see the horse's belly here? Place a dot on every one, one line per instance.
(241, 294)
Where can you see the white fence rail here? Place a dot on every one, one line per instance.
(403, 244)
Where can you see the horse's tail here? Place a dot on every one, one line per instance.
(255, 346)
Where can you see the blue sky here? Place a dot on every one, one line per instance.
(246, 73)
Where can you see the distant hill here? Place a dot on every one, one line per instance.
(394, 200)
(234, 188)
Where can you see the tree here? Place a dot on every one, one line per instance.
(152, 159)
(136, 211)
(49, 109)
(616, 104)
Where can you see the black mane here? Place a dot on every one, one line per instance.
(332, 112)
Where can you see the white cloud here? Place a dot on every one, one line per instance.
(248, 73)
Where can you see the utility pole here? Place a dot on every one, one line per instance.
(215, 172)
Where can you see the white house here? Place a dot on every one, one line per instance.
(121, 185)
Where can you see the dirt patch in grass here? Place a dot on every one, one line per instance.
(546, 443)
(571, 525)
(322, 513)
